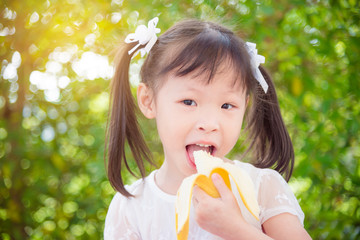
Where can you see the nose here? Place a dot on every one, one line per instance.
(208, 123)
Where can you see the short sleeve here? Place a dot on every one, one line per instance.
(117, 223)
(275, 197)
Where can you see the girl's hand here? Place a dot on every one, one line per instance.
(217, 215)
(222, 216)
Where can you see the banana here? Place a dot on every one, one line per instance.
(206, 165)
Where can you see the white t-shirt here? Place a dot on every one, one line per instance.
(151, 214)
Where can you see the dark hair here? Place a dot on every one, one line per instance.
(194, 46)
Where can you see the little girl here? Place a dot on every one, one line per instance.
(198, 82)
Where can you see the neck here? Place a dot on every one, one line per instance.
(166, 182)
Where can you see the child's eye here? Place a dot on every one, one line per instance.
(189, 102)
(227, 106)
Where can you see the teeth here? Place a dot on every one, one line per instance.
(203, 145)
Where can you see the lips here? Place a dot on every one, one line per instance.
(190, 149)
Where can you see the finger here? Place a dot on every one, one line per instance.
(224, 191)
(199, 194)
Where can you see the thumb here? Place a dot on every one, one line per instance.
(224, 191)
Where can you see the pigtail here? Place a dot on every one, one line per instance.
(267, 132)
(123, 129)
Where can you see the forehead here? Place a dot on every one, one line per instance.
(224, 80)
(207, 54)
(225, 73)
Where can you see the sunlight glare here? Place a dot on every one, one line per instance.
(10, 71)
(16, 59)
(92, 66)
(34, 17)
(48, 134)
(53, 67)
(63, 82)
(115, 17)
(43, 81)
(52, 95)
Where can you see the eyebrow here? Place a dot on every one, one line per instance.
(232, 90)
(191, 88)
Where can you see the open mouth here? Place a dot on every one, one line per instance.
(190, 149)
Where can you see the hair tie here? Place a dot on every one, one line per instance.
(255, 61)
(144, 35)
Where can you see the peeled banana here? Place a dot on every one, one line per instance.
(206, 165)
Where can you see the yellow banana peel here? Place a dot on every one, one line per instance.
(207, 165)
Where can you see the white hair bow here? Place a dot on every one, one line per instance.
(255, 62)
(144, 35)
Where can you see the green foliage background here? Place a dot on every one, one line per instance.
(52, 178)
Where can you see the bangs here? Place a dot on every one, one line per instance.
(208, 53)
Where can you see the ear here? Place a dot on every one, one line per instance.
(146, 101)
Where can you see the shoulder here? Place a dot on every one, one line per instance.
(120, 204)
(251, 169)
(119, 200)
(142, 216)
(137, 188)
(258, 174)
(274, 195)
(121, 217)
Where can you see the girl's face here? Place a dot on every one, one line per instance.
(192, 115)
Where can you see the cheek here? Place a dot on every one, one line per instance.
(233, 135)
(170, 126)
(233, 129)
